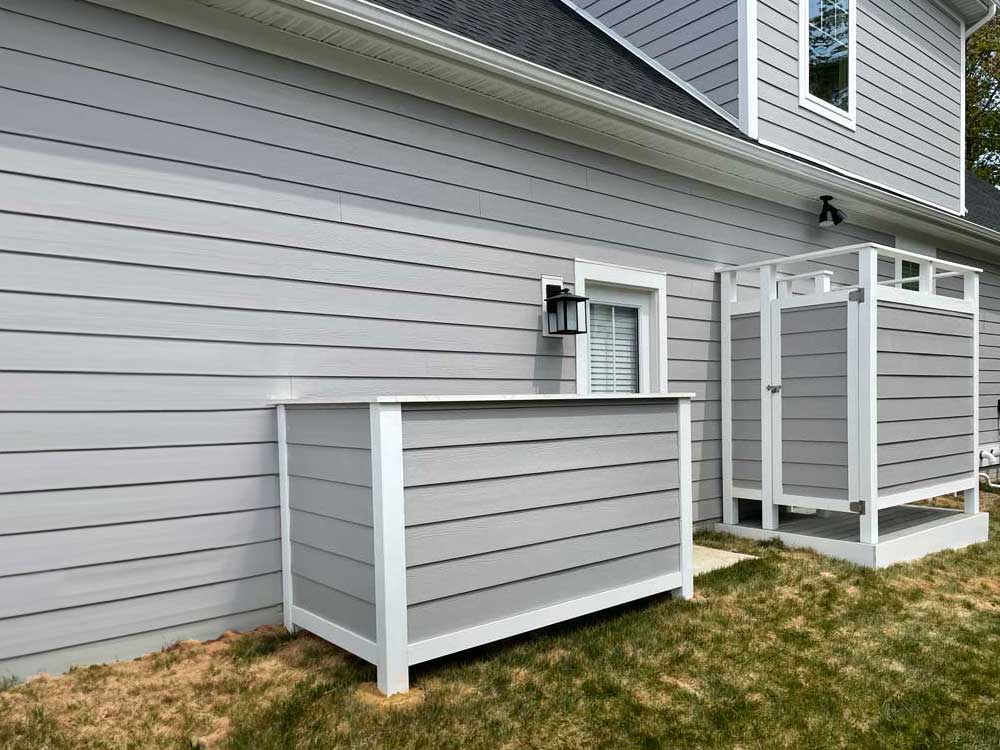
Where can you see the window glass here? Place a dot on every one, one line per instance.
(829, 51)
(614, 348)
(909, 269)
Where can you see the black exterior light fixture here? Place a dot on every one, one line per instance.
(565, 312)
(830, 215)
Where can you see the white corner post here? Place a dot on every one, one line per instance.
(768, 508)
(686, 497)
(286, 520)
(868, 393)
(730, 511)
(392, 658)
(971, 285)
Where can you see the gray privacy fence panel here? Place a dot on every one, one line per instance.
(746, 369)
(925, 396)
(814, 448)
(485, 517)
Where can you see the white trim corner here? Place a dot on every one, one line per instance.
(390, 547)
(284, 504)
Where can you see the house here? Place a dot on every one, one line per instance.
(213, 206)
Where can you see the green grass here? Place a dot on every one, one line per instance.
(790, 650)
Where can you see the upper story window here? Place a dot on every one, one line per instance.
(827, 59)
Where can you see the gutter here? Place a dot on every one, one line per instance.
(990, 13)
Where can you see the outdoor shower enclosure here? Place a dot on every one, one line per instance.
(414, 527)
(851, 389)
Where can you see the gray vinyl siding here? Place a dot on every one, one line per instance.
(696, 40)
(494, 552)
(989, 346)
(908, 97)
(192, 228)
(814, 401)
(924, 357)
(330, 499)
(745, 337)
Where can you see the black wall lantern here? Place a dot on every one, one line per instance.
(565, 312)
(830, 215)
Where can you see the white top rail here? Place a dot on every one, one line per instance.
(844, 250)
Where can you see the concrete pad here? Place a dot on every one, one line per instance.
(707, 559)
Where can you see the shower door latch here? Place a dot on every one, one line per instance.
(774, 389)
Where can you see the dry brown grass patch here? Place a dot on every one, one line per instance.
(368, 693)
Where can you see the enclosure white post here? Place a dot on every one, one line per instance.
(390, 548)
(768, 509)
(972, 295)
(926, 283)
(685, 496)
(285, 519)
(868, 393)
(728, 295)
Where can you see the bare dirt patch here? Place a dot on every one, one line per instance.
(368, 693)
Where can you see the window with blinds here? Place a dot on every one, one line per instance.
(614, 348)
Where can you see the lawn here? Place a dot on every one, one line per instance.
(787, 651)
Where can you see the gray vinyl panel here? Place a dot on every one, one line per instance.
(925, 426)
(193, 228)
(347, 611)
(908, 92)
(335, 571)
(343, 538)
(457, 500)
(475, 530)
(450, 577)
(440, 616)
(814, 451)
(695, 40)
(745, 337)
(452, 539)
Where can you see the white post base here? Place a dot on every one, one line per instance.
(972, 499)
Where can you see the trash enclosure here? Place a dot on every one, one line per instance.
(849, 391)
(414, 527)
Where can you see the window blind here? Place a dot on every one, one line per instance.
(614, 349)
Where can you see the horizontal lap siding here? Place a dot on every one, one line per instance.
(696, 40)
(925, 430)
(745, 336)
(909, 86)
(497, 552)
(330, 499)
(192, 228)
(814, 401)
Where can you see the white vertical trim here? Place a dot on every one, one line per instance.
(657, 66)
(848, 119)
(390, 547)
(748, 55)
(777, 432)
(961, 106)
(972, 295)
(769, 511)
(284, 498)
(728, 292)
(853, 404)
(868, 393)
(654, 282)
(686, 497)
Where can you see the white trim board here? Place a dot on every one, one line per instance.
(748, 61)
(442, 645)
(654, 344)
(340, 636)
(284, 495)
(846, 119)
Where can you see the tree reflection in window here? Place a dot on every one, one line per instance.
(829, 36)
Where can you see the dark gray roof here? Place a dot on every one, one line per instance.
(548, 33)
(982, 201)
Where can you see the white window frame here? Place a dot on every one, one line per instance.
(848, 119)
(653, 283)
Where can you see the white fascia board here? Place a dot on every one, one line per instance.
(632, 130)
(658, 67)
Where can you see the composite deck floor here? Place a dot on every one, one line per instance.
(846, 527)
